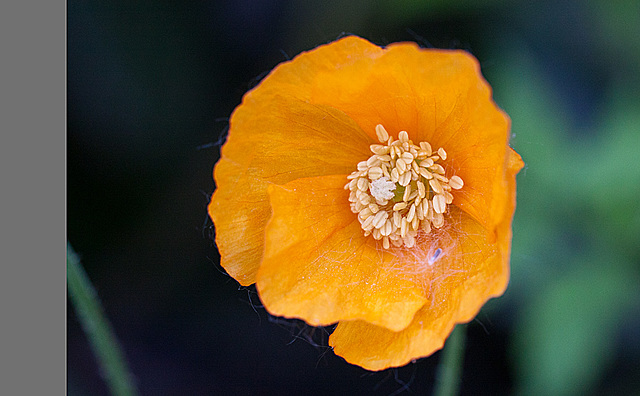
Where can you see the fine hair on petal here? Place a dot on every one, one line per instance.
(436, 256)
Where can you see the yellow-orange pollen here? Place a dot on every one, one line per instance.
(400, 190)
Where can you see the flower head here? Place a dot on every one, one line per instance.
(372, 187)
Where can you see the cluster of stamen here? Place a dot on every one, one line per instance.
(401, 190)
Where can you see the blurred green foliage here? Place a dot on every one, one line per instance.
(577, 227)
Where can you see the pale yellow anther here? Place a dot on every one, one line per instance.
(456, 182)
(363, 184)
(435, 186)
(382, 133)
(437, 168)
(443, 179)
(386, 229)
(425, 146)
(429, 212)
(404, 179)
(379, 219)
(412, 212)
(421, 189)
(407, 193)
(373, 161)
(367, 222)
(425, 173)
(419, 212)
(398, 217)
(448, 197)
(364, 213)
(395, 175)
(439, 203)
(399, 206)
(379, 149)
(426, 163)
(401, 166)
(375, 173)
(395, 152)
(365, 199)
(376, 234)
(438, 220)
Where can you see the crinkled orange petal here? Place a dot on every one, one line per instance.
(296, 78)
(458, 284)
(240, 210)
(438, 96)
(318, 265)
(273, 141)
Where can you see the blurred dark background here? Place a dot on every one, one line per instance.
(151, 85)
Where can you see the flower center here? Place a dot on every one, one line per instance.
(401, 190)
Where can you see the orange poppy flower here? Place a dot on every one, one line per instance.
(372, 187)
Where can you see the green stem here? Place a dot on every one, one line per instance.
(97, 328)
(449, 374)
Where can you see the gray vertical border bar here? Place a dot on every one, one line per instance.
(33, 209)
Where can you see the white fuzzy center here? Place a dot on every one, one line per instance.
(382, 189)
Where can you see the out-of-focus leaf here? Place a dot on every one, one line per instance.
(613, 185)
(565, 338)
(540, 130)
(618, 26)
